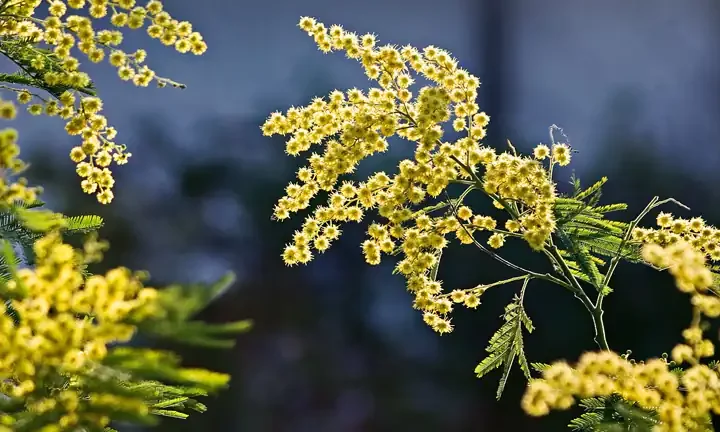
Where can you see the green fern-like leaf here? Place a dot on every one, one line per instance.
(610, 208)
(506, 345)
(38, 221)
(594, 189)
(22, 52)
(580, 255)
(83, 224)
(567, 204)
(575, 183)
(566, 209)
(593, 403)
(585, 233)
(169, 413)
(579, 274)
(613, 413)
(539, 367)
(587, 422)
(163, 366)
(179, 303)
(22, 227)
(608, 246)
(597, 224)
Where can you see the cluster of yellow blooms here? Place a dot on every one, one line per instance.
(682, 401)
(702, 237)
(526, 182)
(687, 265)
(347, 127)
(683, 261)
(10, 165)
(59, 68)
(351, 126)
(683, 247)
(66, 321)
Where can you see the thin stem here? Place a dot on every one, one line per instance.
(493, 255)
(655, 202)
(464, 182)
(574, 284)
(494, 284)
(651, 205)
(596, 311)
(522, 290)
(599, 324)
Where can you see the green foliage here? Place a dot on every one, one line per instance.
(539, 367)
(22, 52)
(586, 233)
(180, 303)
(584, 264)
(82, 224)
(612, 414)
(24, 224)
(507, 343)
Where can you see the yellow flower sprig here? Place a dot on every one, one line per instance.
(45, 49)
(417, 213)
(58, 321)
(348, 127)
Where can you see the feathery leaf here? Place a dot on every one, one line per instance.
(507, 343)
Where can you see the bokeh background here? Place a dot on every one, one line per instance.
(336, 345)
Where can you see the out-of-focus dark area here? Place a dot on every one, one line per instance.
(336, 345)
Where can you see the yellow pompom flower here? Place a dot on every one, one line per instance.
(496, 240)
(541, 152)
(561, 154)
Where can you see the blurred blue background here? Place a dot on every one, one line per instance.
(336, 345)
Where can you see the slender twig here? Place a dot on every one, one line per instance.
(522, 290)
(495, 256)
(616, 258)
(494, 284)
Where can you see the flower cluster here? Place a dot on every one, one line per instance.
(683, 247)
(682, 402)
(63, 321)
(525, 182)
(24, 34)
(348, 127)
(13, 191)
(353, 125)
(702, 237)
(684, 262)
(687, 265)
